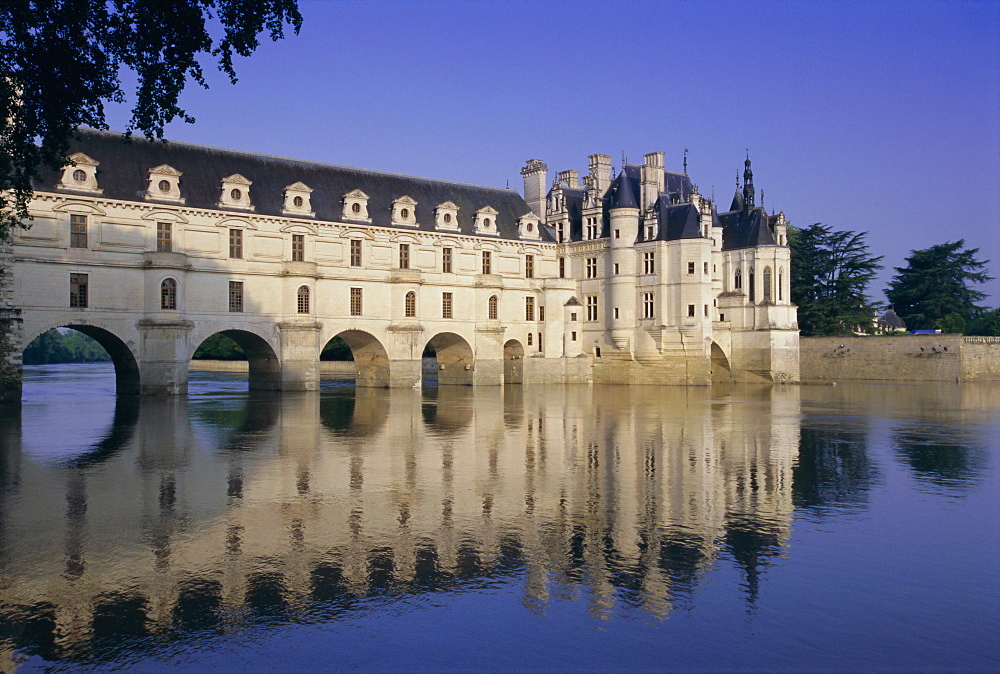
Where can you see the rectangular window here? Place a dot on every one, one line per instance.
(647, 305)
(298, 247)
(404, 256)
(447, 305)
(591, 267)
(356, 306)
(591, 307)
(78, 231)
(649, 232)
(236, 243)
(572, 336)
(355, 252)
(164, 237)
(529, 308)
(78, 291)
(616, 269)
(690, 267)
(541, 314)
(539, 341)
(690, 311)
(649, 263)
(236, 295)
(616, 313)
(705, 267)
(487, 262)
(618, 233)
(562, 267)
(559, 232)
(529, 266)
(446, 260)
(706, 311)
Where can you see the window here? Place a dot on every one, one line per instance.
(529, 266)
(298, 248)
(355, 208)
(236, 243)
(78, 291)
(572, 316)
(572, 336)
(404, 255)
(447, 304)
(164, 237)
(706, 311)
(591, 267)
(541, 314)
(79, 176)
(297, 202)
(767, 284)
(562, 267)
(781, 282)
(618, 233)
(704, 267)
(539, 341)
(559, 232)
(690, 267)
(529, 339)
(591, 307)
(649, 232)
(738, 280)
(616, 269)
(751, 289)
(302, 299)
(616, 313)
(163, 186)
(355, 252)
(236, 296)
(168, 294)
(410, 305)
(529, 308)
(493, 308)
(446, 260)
(487, 262)
(690, 311)
(78, 231)
(592, 228)
(356, 302)
(649, 263)
(647, 305)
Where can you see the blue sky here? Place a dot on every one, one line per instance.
(882, 117)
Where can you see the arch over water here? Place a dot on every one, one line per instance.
(125, 362)
(721, 369)
(262, 362)
(371, 360)
(455, 359)
(513, 362)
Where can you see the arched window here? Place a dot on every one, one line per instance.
(753, 296)
(493, 308)
(168, 294)
(302, 297)
(529, 339)
(767, 284)
(410, 308)
(738, 280)
(781, 281)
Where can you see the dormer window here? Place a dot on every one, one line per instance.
(404, 211)
(236, 192)
(486, 220)
(356, 206)
(527, 226)
(164, 184)
(297, 197)
(446, 216)
(81, 175)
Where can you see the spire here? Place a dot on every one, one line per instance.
(748, 191)
(685, 161)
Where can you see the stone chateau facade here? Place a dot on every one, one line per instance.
(631, 278)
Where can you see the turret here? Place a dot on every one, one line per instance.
(748, 192)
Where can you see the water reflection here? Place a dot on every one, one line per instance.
(190, 518)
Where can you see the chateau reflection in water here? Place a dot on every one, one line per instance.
(194, 515)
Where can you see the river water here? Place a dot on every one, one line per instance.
(540, 527)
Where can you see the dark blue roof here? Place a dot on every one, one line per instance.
(737, 204)
(755, 229)
(678, 221)
(624, 191)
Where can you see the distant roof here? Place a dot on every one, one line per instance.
(124, 165)
(891, 320)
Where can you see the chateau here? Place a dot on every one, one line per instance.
(151, 247)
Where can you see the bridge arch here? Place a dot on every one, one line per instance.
(127, 379)
(264, 368)
(722, 370)
(513, 362)
(455, 359)
(371, 360)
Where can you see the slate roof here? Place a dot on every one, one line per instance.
(756, 229)
(890, 319)
(123, 174)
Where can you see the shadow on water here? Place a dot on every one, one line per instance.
(834, 471)
(942, 459)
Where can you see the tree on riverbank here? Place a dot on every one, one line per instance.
(933, 290)
(62, 60)
(71, 346)
(830, 273)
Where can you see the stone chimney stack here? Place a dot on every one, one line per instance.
(570, 179)
(600, 172)
(652, 179)
(535, 174)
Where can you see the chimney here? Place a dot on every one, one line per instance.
(570, 178)
(600, 172)
(652, 179)
(535, 174)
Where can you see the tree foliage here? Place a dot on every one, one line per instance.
(219, 347)
(932, 291)
(60, 62)
(830, 273)
(70, 346)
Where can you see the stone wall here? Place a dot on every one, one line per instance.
(10, 332)
(900, 358)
